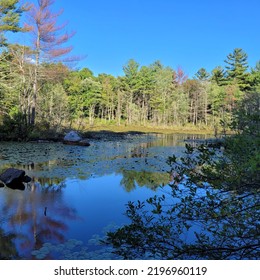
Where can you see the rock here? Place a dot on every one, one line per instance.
(12, 176)
(27, 179)
(72, 136)
(17, 186)
(79, 143)
(84, 142)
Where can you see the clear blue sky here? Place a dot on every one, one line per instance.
(187, 33)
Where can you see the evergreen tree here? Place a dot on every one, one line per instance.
(237, 66)
(255, 77)
(218, 76)
(202, 74)
(257, 66)
(162, 97)
(10, 13)
(132, 84)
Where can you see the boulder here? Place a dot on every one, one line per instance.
(17, 186)
(26, 179)
(12, 176)
(73, 138)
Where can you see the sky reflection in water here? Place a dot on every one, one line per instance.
(77, 193)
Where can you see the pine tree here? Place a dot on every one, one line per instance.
(10, 14)
(132, 85)
(237, 66)
(202, 74)
(218, 76)
(255, 77)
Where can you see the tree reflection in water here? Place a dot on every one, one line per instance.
(40, 214)
(7, 246)
(133, 179)
(34, 216)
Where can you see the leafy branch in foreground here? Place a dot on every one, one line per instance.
(210, 210)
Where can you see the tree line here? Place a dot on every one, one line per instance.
(210, 210)
(39, 89)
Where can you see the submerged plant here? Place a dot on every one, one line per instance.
(74, 249)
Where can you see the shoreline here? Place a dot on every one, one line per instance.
(108, 132)
(151, 129)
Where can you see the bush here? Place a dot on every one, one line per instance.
(15, 127)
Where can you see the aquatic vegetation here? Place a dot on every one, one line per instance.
(69, 183)
(55, 160)
(74, 249)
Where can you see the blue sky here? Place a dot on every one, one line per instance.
(187, 33)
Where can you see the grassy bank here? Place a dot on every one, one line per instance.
(57, 134)
(151, 129)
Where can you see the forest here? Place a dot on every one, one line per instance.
(42, 93)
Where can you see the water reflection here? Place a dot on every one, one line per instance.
(33, 217)
(52, 160)
(7, 246)
(132, 179)
(77, 192)
(53, 211)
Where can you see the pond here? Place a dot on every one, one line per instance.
(77, 194)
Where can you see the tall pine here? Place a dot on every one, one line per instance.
(10, 13)
(236, 69)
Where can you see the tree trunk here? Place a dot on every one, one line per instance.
(35, 82)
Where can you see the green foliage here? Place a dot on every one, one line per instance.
(218, 76)
(214, 200)
(204, 203)
(84, 94)
(53, 102)
(237, 66)
(10, 14)
(15, 126)
(131, 71)
(8, 94)
(254, 78)
(132, 178)
(202, 74)
(145, 95)
(246, 117)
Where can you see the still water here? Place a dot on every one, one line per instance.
(77, 194)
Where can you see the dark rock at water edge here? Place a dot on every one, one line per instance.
(27, 179)
(12, 176)
(80, 143)
(17, 186)
(84, 142)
